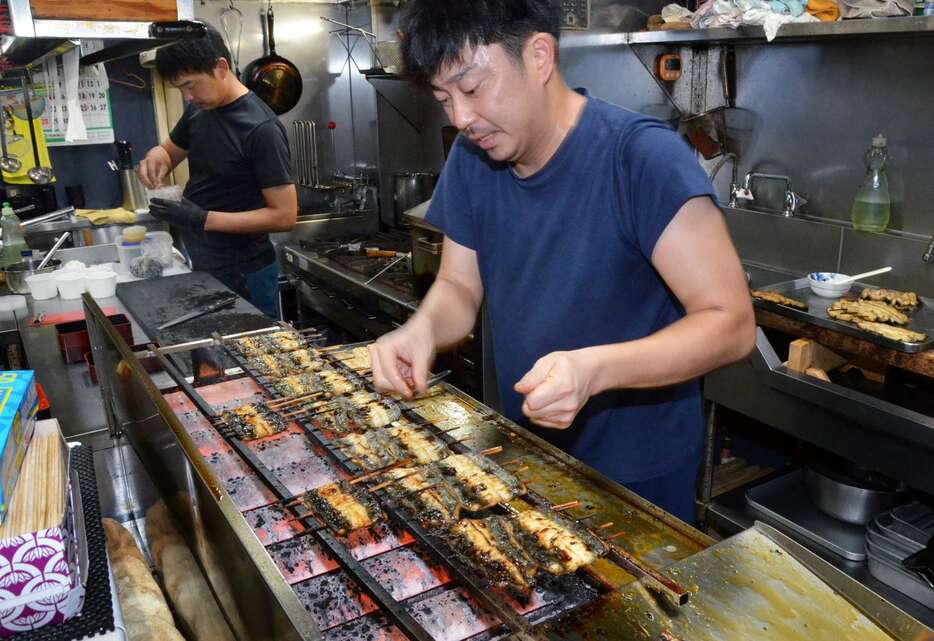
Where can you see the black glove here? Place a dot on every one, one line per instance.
(182, 213)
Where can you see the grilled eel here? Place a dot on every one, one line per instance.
(874, 312)
(338, 383)
(557, 544)
(343, 507)
(480, 482)
(426, 495)
(492, 548)
(371, 451)
(253, 421)
(298, 385)
(897, 299)
(899, 334)
(419, 444)
(278, 365)
(360, 412)
(276, 342)
(778, 299)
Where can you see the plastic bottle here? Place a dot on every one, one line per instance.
(872, 208)
(13, 242)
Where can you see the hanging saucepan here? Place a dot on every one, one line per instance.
(272, 77)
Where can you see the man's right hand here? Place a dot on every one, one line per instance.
(154, 167)
(401, 359)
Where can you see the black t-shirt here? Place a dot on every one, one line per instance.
(234, 152)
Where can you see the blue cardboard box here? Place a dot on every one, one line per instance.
(18, 406)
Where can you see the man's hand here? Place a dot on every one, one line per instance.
(557, 387)
(401, 359)
(182, 213)
(154, 167)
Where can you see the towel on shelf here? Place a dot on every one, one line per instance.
(117, 216)
(876, 8)
(824, 10)
(676, 13)
(770, 15)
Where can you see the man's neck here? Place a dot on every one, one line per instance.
(564, 107)
(234, 91)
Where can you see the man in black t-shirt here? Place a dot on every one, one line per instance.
(240, 187)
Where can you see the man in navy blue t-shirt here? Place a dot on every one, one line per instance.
(593, 234)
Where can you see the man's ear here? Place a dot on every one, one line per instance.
(221, 68)
(541, 52)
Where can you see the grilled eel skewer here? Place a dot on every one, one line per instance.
(274, 343)
(481, 482)
(377, 449)
(286, 364)
(559, 545)
(360, 412)
(343, 507)
(874, 312)
(252, 421)
(426, 495)
(492, 548)
(899, 300)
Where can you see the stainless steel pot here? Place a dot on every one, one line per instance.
(848, 499)
(17, 273)
(411, 189)
(427, 243)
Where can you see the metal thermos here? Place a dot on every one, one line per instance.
(134, 196)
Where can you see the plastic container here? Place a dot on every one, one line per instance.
(829, 284)
(166, 192)
(126, 253)
(13, 242)
(101, 284)
(158, 245)
(42, 286)
(134, 234)
(70, 284)
(872, 208)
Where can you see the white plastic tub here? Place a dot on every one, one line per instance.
(101, 284)
(70, 284)
(42, 286)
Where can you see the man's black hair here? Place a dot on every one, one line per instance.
(198, 55)
(436, 32)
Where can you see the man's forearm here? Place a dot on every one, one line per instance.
(450, 310)
(257, 221)
(691, 347)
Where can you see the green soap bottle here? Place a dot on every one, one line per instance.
(872, 208)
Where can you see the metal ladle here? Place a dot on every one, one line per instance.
(8, 164)
(39, 175)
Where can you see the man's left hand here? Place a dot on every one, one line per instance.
(182, 213)
(556, 388)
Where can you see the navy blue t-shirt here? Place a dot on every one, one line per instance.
(565, 260)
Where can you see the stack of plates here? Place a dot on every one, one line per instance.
(894, 536)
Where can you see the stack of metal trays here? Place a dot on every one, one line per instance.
(893, 537)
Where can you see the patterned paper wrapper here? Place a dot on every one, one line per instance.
(40, 583)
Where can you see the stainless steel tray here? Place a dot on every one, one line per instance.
(921, 320)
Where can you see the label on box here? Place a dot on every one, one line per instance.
(18, 407)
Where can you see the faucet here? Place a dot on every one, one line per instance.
(727, 157)
(793, 202)
(929, 253)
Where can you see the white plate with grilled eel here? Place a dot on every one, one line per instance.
(344, 508)
(252, 421)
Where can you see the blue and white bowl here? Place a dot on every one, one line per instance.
(829, 284)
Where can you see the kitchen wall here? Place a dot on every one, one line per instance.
(334, 90)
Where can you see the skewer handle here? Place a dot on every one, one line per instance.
(570, 505)
(652, 578)
(492, 451)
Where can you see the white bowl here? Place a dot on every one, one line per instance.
(101, 284)
(829, 284)
(70, 284)
(42, 286)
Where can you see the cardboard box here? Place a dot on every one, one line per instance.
(43, 574)
(18, 406)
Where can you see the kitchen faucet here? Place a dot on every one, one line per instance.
(929, 253)
(793, 202)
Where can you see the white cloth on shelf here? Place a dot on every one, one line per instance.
(676, 13)
(770, 15)
(875, 8)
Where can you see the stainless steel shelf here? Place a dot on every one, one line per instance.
(911, 26)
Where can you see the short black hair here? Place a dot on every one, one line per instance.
(197, 55)
(436, 32)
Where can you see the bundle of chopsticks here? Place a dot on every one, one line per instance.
(38, 501)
